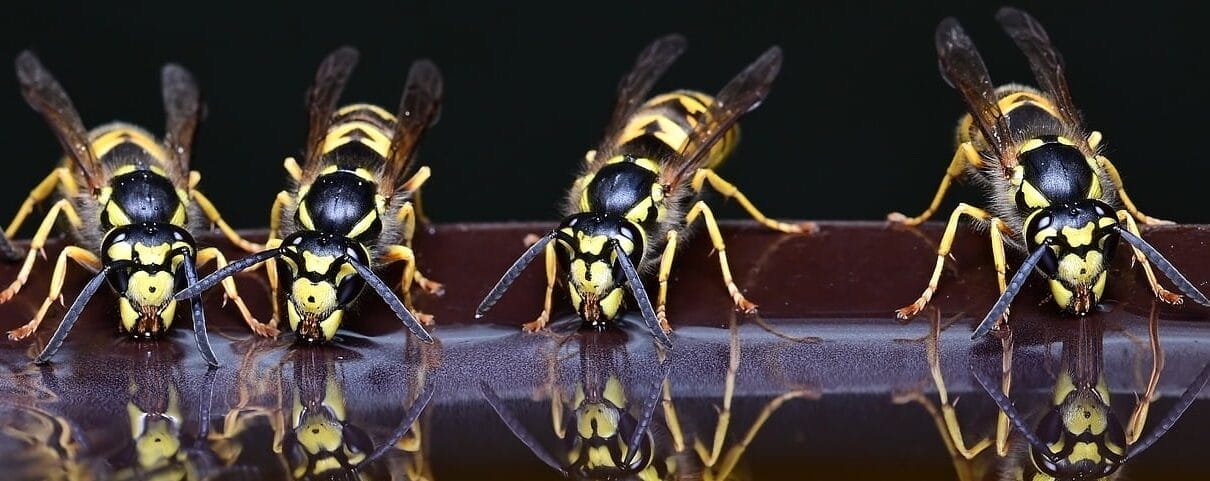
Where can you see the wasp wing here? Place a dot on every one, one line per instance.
(963, 69)
(743, 94)
(648, 67)
(1044, 60)
(330, 81)
(183, 111)
(45, 95)
(419, 109)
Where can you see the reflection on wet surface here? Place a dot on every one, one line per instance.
(826, 384)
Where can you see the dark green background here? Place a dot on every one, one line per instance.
(859, 123)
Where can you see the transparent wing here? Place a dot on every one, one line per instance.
(183, 111)
(419, 109)
(1044, 60)
(963, 69)
(330, 81)
(47, 97)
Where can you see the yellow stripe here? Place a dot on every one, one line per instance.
(107, 140)
(374, 138)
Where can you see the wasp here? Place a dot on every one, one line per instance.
(611, 436)
(130, 203)
(1052, 192)
(352, 207)
(1079, 436)
(636, 196)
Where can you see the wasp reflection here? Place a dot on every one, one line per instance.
(313, 432)
(1075, 434)
(613, 424)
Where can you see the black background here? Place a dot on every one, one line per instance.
(858, 124)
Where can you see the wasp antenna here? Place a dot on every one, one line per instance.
(512, 274)
(517, 429)
(1014, 416)
(1014, 286)
(640, 295)
(1187, 288)
(199, 314)
(73, 314)
(384, 291)
(648, 412)
(196, 288)
(1175, 413)
(405, 424)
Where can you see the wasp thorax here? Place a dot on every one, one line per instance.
(595, 282)
(322, 282)
(1080, 237)
(147, 259)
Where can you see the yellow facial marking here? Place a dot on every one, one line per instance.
(612, 303)
(1080, 270)
(157, 443)
(591, 244)
(1098, 287)
(313, 297)
(597, 420)
(599, 456)
(1044, 234)
(1061, 294)
(120, 251)
(1079, 237)
(316, 263)
(332, 323)
(152, 254)
(147, 289)
(320, 434)
(129, 317)
(1084, 451)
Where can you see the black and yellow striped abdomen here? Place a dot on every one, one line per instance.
(660, 128)
(360, 134)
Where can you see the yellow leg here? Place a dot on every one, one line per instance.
(953, 438)
(413, 185)
(217, 219)
(551, 270)
(40, 192)
(1163, 294)
(728, 190)
(947, 241)
(84, 258)
(210, 253)
(1138, 419)
(665, 268)
(271, 274)
(1117, 183)
(282, 201)
(717, 238)
(37, 243)
(964, 155)
(397, 253)
(407, 218)
(1006, 384)
(292, 169)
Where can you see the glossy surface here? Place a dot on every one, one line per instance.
(847, 374)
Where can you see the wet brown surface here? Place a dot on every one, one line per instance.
(73, 419)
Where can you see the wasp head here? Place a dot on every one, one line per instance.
(1081, 237)
(322, 283)
(595, 281)
(1085, 440)
(151, 255)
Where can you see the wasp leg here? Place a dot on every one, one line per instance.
(230, 292)
(271, 274)
(551, 270)
(40, 192)
(292, 169)
(37, 243)
(1138, 419)
(217, 219)
(728, 190)
(81, 256)
(1163, 294)
(413, 186)
(1006, 384)
(701, 208)
(955, 441)
(964, 155)
(947, 241)
(1094, 139)
(665, 268)
(407, 216)
(397, 253)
